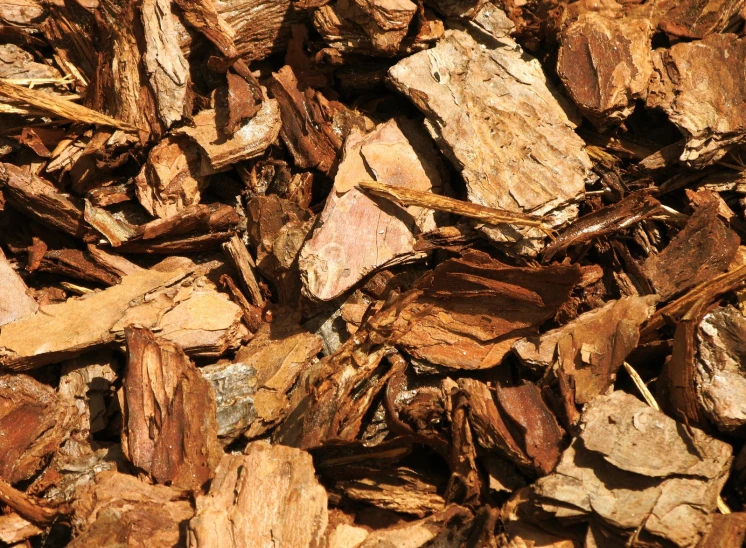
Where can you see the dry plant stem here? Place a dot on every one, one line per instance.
(650, 400)
(640, 384)
(490, 215)
(26, 507)
(711, 288)
(60, 107)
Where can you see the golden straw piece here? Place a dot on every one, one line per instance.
(60, 107)
(489, 215)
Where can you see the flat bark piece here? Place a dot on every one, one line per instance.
(240, 104)
(14, 529)
(605, 64)
(441, 528)
(357, 235)
(34, 422)
(170, 180)
(67, 329)
(532, 162)
(696, 84)
(267, 496)
(169, 430)
(719, 375)
(617, 472)
(472, 309)
(726, 530)
(251, 140)
(401, 490)
(629, 211)
(18, 64)
(39, 199)
(260, 28)
(165, 64)
(15, 302)
(697, 18)
(164, 298)
(118, 508)
(540, 435)
(278, 364)
(591, 348)
(235, 386)
(386, 22)
(21, 12)
(702, 250)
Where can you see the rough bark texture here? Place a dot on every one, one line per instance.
(268, 495)
(529, 163)
(168, 413)
(335, 259)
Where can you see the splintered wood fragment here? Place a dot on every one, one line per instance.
(41, 200)
(641, 386)
(58, 106)
(628, 211)
(241, 259)
(200, 319)
(37, 512)
(180, 448)
(705, 292)
(490, 215)
(268, 496)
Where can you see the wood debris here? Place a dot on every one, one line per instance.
(521, 173)
(268, 494)
(366, 273)
(333, 260)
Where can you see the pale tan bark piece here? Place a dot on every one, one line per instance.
(634, 470)
(269, 496)
(170, 297)
(169, 430)
(356, 234)
(118, 509)
(697, 84)
(15, 302)
(249, 141)
(591, 348)
(494, 115)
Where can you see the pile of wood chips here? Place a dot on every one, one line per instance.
(372, 273)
